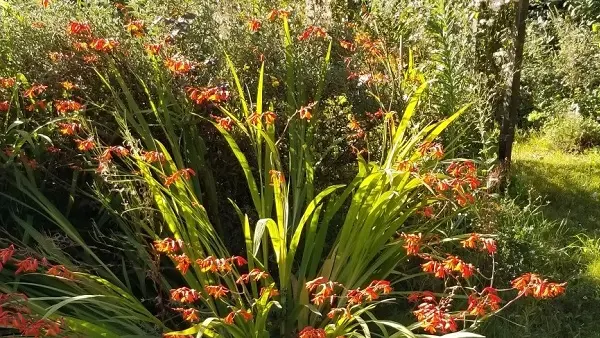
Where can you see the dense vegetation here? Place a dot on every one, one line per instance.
(298, 169)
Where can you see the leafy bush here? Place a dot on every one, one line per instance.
(572, 133)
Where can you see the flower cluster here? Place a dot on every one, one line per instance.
(185, 173)
(211, 95)
(310, 332)
(433, 314)
(32, 264)
(15, 315)
(487, 244)
(313, 31)
(487, 300)
(532, 284)
(460, 184)
(412, 243)
(449, 266)
(179, 65)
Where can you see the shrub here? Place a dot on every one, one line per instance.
(572, 133)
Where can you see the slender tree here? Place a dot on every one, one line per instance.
(509, 118)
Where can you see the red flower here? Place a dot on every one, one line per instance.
(471, 242)
(7, 82)
(45, 3)
(29, 264)
(78, 28)
(434, 317)
(85, 145)
(310, 332)
(104, 45)
(412, 243)
(190, 315)
(254, 274)
(153, 48)
(216, 291)
(6, 254)
(381, 286)
(135, 28)
(185, 173)
(4, 106)
(168, 245)
(184, 295)
(213, 95)
(239, 260)
(312, 31)
(254, 25)
(532, 284)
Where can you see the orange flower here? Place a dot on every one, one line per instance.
(532, 284)
(90, 58)
(69, 128)
(348, 45)
(178, 65)
(190, 315)
(335, 311)
(85, 145)
(135, 28)
(278, 13)
(310, 332)
(34, 91)
(246, 315)
(312, 31)
(313, 284)
(381, 286)
(434, 150)
(185, 173)
(273, 292)
(276, 176)
(65, 106)
(41, 104)
(60, 271)
(29, 264)
(152, 156)
(239, 260)
(353, 124)
(412, 243)
(213, 95)
(153, 48)
(45, 3)
(304, 111)
(355, 296)
(80, 46)
(68, 85)
(434, 317)
(168, 245)
(4, 106)
(184, 295)
(489, 244)
(183, 263)
(254, 25)
(225, 122)
(78, 28)
(254, 274)
(7, 82)
(269, 117)
(216, 291)
(478, 305)
(471, 242)
(104, 45)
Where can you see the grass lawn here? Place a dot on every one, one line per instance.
(569, 183)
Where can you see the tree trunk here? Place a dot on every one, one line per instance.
(509, 119)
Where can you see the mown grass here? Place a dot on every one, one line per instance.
(560, 241)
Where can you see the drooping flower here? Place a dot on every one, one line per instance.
(60, 271)
(183, 263)
(45, 3)
(168, 245)
(489, 244)
(69, 128)
(78, 28)
(412, 243)
(104, 45)
(310, 332)
(255, 275)
(212, 95)
(246, 315)
(85, 145)
(153, 48)
(66, 106)
(135, 28)
(348, 45)
(182, 173)
(225, 122)
(29, 264)
(4, 106)
(336, 311)
(184, 295)
(471, 242)
(178, 65)
(152, 156)
(434, 316)
(34, 91)
(269, 117)
(254, 25)
(304, 111)
(6, 254)
(7, 82)
(532, 284)
(191, 315)
(311, 31)
(216, 291)
(278, 13)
